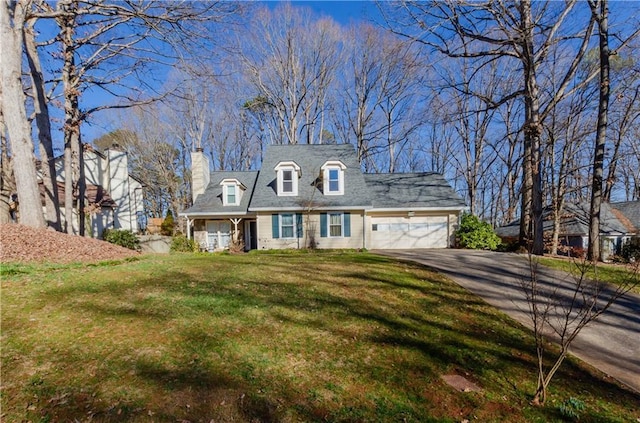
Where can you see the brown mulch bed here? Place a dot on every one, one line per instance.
(23, 244)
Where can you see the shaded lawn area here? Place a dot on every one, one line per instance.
(332, 336)
(617, 274)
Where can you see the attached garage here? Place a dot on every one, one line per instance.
(409, 232)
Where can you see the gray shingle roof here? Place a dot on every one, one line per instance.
(361, 191)
(310, 158)
(631, 210)
(412, 190)
(210, 201)
(574, 221)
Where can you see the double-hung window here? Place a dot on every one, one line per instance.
(287, 174)
(231, 192)
(333, 177)
(287, 181)
(335, 224)
(287, 226)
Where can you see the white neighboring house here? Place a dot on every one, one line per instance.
(113, 196)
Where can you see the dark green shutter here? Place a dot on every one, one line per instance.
(275, 226)
(323, 225)
(347, 224)
(299, 225)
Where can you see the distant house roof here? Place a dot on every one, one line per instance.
(310, 158)
(210, 201)
(574, 221)
(94, 194)
(630, 210)
(412, 190)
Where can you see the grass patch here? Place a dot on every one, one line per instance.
(338, 336)
(616, 274)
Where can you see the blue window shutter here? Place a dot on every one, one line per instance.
(347, 224)
(299, 225)
(275, 226)
(323, 225)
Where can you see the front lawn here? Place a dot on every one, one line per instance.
(617, 274)
(271, 337)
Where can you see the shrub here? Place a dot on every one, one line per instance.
(571, 407)
(180, 244)
(476, 234)
(631, 250)
(122, 237)
(166, 228)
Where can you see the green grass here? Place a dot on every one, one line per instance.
(337, 336)
(617, 274)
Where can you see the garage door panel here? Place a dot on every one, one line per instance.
(399, 233)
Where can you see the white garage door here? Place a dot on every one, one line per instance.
(415, 232)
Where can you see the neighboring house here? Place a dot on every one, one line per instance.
(317, 196)
(113, 197)
(615, 228)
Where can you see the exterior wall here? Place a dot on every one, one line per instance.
(311, 234)
(112, 173)
(118, 186)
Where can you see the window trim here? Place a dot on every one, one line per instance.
(281, 225)
(329, 224)
(239, 188)
(327, 167)
(295, 170)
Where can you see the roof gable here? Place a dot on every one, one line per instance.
(311, 159)
(211, 201)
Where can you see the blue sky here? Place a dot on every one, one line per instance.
(344, 12)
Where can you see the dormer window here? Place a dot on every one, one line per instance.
(232, 190)
(333, 178)
(287, 174)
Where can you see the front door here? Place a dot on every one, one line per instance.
(253, 239)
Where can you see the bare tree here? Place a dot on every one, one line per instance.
(377, 105)
(518, 35)
(291, 62)
(600, 12)
(561, 312)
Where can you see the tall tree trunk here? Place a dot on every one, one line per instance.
(41, 108)
(531, 220)
(13, 110)
(73, 181)
(600, 10)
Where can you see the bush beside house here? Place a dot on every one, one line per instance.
(476, 234)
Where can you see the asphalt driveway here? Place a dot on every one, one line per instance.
(611, 344)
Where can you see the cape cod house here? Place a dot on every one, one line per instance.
(317, 196)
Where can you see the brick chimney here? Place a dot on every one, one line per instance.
(199, 173)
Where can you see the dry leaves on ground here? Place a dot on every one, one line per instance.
(19, 243)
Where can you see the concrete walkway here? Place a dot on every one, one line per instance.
(611, 343)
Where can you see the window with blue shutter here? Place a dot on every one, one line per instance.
(275, 226)
(323, 225)
(299, 225)
(347, 225)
